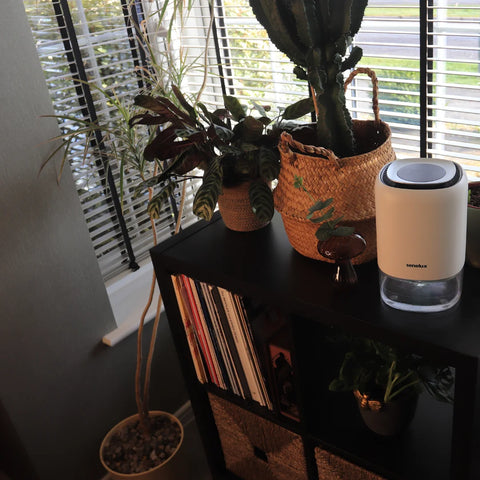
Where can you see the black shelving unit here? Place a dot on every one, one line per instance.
(443, 441)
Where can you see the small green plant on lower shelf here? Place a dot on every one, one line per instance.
(328, 226)
(386, 373)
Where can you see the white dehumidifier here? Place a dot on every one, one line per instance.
(421, 213)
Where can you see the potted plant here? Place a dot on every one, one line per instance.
(145, 445)
(473, 224)
(239, 162)
(338, 157)
(386, 383)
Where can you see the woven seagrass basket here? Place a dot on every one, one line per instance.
(254, 448)
(349, 181)
(333, 467)
(236, 211)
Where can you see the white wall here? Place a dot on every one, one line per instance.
(60, 388)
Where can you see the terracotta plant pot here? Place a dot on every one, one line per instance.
(236, 211)
(473, 229)
(387, 419)
(172, 468)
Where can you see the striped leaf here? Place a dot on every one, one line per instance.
(207, 195)
(155, 205)
(261, 200)
(268, 164)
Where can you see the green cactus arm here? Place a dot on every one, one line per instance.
(340, 18)
(343, 121)
(354, 57)
(308, 29)
(323, 10)
(283, 36)
(358, 10)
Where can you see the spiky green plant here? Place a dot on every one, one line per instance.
(316, 35)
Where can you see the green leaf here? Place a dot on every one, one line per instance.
(249, 129)
(261, 200)
(328, 214)
(234, 107)
(297, 181)
(268, 164)
(183, 102)
(323, 233)
(259, 109)
(298, 109)
(319, 205)
(343, 231)
(155, 205)
(207, 195)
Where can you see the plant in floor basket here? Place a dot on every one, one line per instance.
(386, 383)
(473, 224)
(239, 162)
(338, 157)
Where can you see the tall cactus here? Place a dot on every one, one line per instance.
(316, 36)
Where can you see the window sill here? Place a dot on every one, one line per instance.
(128, 294)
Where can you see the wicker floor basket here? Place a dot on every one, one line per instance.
(349, 181)
(333, 467)
(255, 448)
(236, 211)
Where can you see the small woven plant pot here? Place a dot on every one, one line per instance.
(236, 211)
(333, 467)
(349, 181)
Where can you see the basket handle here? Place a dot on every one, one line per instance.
(373, 78)
(287, 142)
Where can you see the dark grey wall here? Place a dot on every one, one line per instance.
(60, 388)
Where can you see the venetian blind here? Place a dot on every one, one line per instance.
(425, 53)
(98, 37)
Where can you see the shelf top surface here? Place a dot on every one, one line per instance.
(264, 265)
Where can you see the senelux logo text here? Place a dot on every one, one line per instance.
(416, 265)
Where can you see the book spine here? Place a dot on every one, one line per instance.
(200, 332)
(189, 330)
(233, 382)
(252, 350)
(237, 364)
(212, 334)
(241, 345)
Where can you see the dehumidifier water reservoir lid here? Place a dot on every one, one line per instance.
(420, 173)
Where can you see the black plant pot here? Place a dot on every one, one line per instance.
(387, 419)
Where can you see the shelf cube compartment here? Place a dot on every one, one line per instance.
(254, 447)
(333, 467)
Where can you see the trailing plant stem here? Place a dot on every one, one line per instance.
(394, 380)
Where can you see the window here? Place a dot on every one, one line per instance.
(95, 41)
(426, 55)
